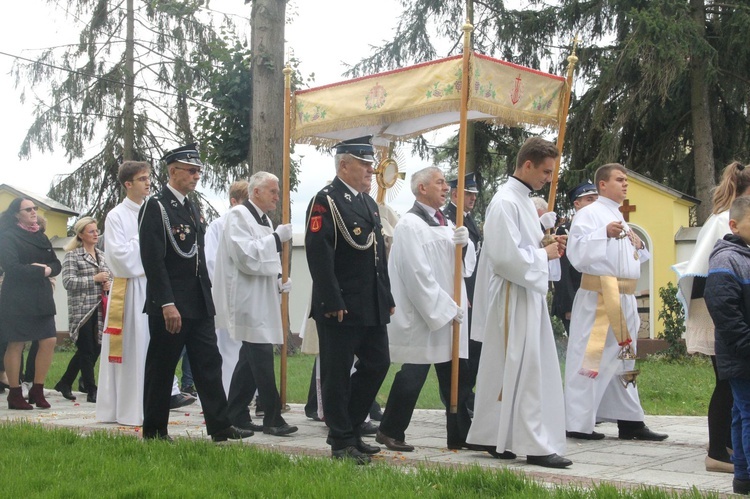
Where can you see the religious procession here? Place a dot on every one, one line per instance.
(474, 295)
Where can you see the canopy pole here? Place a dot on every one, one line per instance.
(285, 219)
(563, 119)
(458, 269)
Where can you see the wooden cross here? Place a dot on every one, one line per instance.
(626, 209)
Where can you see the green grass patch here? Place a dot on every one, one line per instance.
(40, 462)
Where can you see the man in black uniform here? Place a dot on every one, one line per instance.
(470, 197)
(351, 297)
(178, 302)
(570, 279)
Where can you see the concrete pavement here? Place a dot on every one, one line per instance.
(676, 463)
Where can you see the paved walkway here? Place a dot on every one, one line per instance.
(676, 463)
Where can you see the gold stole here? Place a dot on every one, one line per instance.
(116, 317)
(608, 313)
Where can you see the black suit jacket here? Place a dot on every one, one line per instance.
(567, 287)
(476, 237)
(344, 277)
(170, 277)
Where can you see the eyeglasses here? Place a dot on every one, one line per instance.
(191, 171)
(30, 209)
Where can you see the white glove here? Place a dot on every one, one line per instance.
(459, 315)
(284, 231)
(285, 287)
(461, 236)
(548, 219)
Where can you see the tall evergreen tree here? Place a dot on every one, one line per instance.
(125, 87)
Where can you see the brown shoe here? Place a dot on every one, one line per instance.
(392, 443)
(718, 466)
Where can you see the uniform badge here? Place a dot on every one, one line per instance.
(348, 197)
(357, 231)
(316, 223)
(187, 229)
(182, 236)
(174, 204)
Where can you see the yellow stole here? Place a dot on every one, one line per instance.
(116, 317)
(608, 313)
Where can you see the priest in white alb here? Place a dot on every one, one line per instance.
(420, 334)
(519, 402)
(604, 322)
(229, 348)
(247, 298)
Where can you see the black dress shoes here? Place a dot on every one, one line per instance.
(250, 426)
(376, 414)
(314, 416)
(65, 390)
(180, 400)
(392, 443)
(551, 461)
(740, 486)
(278, 431)
(507, 455)
(594, 435)
(367, 448)
(231, 433)
(91, 395)
(642, 433)
(352, 453)
(368, 428)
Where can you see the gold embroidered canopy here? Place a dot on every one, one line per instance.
(406, 102)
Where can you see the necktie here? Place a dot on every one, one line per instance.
(264, 220)
(440, 217)
(189, 208)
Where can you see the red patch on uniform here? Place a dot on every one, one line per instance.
(316, 223)
(318, 208)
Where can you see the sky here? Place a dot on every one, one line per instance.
(320, 37)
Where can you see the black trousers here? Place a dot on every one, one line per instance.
(347, 397)
(164, 349)
(405, 391)
(254, 370)
(87, 351)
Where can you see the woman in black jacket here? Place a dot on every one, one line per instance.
(27, 307)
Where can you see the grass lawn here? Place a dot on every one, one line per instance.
(666, 388)
(38, 462)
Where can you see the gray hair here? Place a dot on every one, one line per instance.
(259, 179)
(422, 177)
(338, 158)
(540, 203)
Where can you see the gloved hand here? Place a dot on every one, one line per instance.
(459, 315)
(461, 236)
(548, 219)
(285, 287)
(284, 231)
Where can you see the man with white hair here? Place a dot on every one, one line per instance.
(248, 284)
(421, 331)
(228, 346)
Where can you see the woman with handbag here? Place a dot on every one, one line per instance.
(87, 279)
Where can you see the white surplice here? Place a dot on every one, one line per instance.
(421, 265)
(513, 272)
(246, 292)
(699, 328)
(590, 251)
(120, 393)
(229, 348)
